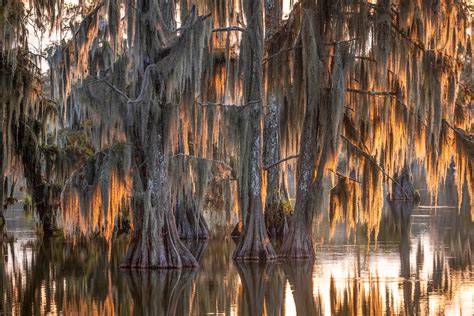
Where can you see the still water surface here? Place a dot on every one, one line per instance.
(420, 265)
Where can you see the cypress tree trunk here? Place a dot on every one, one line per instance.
(46, 195)
(298, 243)
(275, 217)
(254, 243)
(189, 219)
(2, 164)
(155, 242)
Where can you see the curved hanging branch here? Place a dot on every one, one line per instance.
(366, 155)
(340, 175)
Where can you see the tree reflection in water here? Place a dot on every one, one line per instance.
(421, 263)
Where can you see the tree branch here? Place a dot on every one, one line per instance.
(227, 105)
(280, 161)
(229, 28)
(374, 162)
(220, 162)
(340, 175)
(120, 92)
(281, 51)
(376, 93)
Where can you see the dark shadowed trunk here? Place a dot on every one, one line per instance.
(189, 220)
(254, 243)
(402, 187)
(2, 166)
(45, 194)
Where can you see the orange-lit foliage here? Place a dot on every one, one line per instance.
(100, 214)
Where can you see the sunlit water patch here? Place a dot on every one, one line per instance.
(420, 265)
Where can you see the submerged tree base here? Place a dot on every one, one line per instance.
(155, 243)
(254, 245)
(297, 244)
(191, 225)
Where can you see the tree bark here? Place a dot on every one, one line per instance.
(189, 220)
(2, 165)
(275, 217)
(254, 243)
(297, 243)
(155, 242)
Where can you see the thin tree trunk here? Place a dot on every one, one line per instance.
(275, 217)
(298, 243)
(254, 243)
(2, 164)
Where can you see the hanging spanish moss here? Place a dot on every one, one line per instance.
(152, 106)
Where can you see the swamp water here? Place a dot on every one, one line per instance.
(421, 264)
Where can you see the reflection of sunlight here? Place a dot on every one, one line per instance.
(290, 307)
(287, 6)
(377, 274)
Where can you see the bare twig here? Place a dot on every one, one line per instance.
(280, 161)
